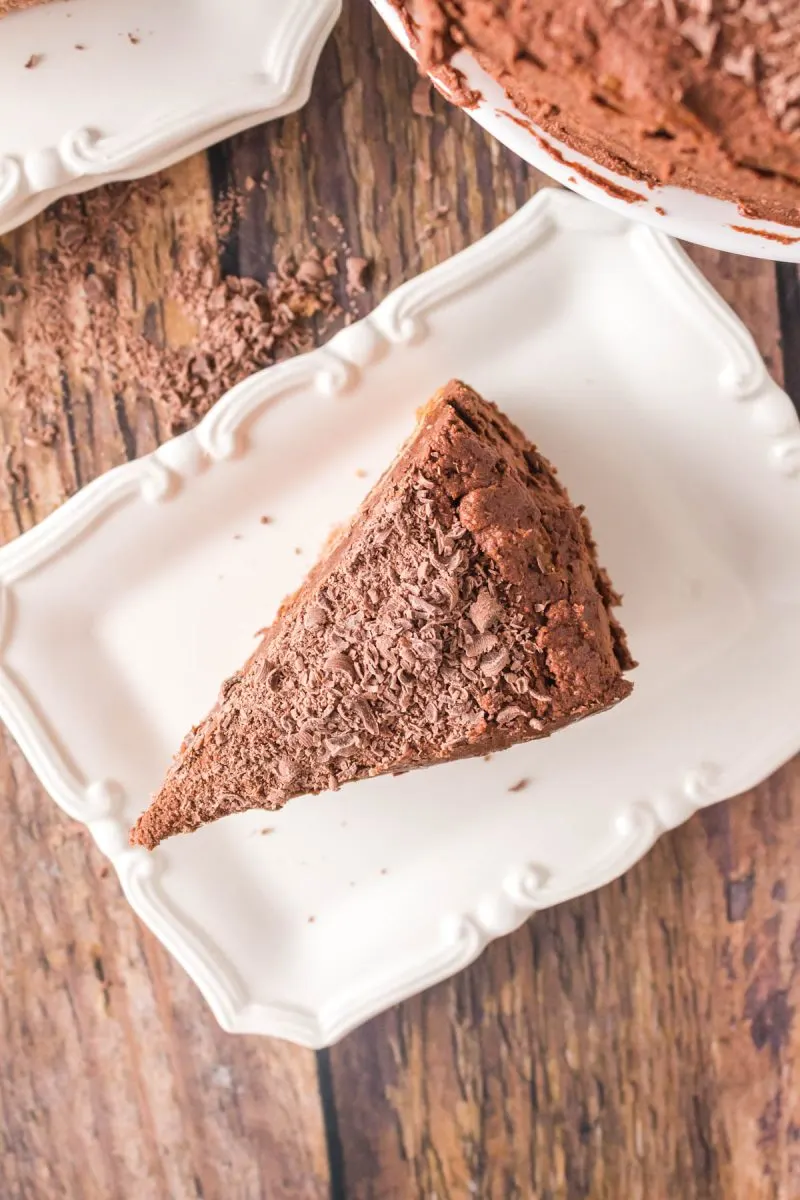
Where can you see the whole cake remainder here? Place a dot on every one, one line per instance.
(461, 611)
(703, 94)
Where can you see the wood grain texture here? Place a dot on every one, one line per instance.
(638, 1042)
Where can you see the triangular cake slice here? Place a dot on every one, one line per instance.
(461, 611)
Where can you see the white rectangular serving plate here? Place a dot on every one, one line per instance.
(125, 609)
(119, 90)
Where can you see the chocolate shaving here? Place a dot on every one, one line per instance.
(701, 34)
(228, 327)
(367, 716)
(495, 662)
(509, 714)
(481, 645)
(341, 663)
(485, 611)
(315, 617)
(741, 65)
(355, 274)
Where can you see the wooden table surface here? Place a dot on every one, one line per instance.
(639, 1042)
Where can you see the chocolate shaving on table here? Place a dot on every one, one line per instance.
(79, 308)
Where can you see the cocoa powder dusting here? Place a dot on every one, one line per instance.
(77, 310)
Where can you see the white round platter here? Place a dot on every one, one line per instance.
(688, 215)
(116, 91)
(123, 611)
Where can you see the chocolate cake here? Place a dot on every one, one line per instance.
(703, 94)
(460, 612)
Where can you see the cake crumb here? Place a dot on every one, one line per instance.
(298, 549)
(361, 473)
(249, 184)
(433, 220)
(520, 785)
(384, 870)
(311, 920)
(355, 273)
(133, 39)
(79, 46)
(662, 212)
(33, 61)
(267, 830)
(265, 520)
(488, 757)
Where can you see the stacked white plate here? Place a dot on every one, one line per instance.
(92, 92)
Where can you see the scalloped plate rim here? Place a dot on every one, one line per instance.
(328, 367)
(207, 124)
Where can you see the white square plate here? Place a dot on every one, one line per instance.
(125, 88)
(125, 609)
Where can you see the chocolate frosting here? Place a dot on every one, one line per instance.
(703, 94)
(461, 611)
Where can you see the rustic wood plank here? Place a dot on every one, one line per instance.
(787, 277)
(115, 1079)
(637, 1042)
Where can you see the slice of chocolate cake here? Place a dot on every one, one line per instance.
(461, 611)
